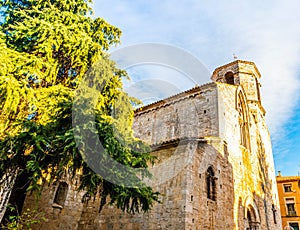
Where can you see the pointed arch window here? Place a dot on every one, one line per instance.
(243, 120)
(252, 222)
(210, 184)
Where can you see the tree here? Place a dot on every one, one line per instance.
(47, 46)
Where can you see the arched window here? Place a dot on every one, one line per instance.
(61, 194)
(243, 120)
(229, 78)
(210, 184)
(252, 223)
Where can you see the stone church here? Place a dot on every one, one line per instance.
(215, 168)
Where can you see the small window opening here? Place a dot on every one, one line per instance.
(248, 215)
(287, 187)
(274, 214)
(61, 194)
(229, 78)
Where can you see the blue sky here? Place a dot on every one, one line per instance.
(266, 32)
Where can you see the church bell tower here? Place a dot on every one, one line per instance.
(244, 74)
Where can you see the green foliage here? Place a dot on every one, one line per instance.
(25, 221)
(46, 47)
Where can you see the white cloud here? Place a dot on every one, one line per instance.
(266, 32)
(269, 35)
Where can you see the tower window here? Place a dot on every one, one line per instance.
(210, 184)
(61, 194)
(229, 78)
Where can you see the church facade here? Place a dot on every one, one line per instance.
(215, 166)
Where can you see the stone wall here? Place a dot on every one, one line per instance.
(202, 212)
(170, 214)
(184, 202)
(190, 114)
(66, 216)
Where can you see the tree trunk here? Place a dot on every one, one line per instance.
(6, 187)
(14, 194)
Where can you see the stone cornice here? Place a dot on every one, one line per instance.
(176, 141)
(237, 62)
(287, 178)
(197, 90)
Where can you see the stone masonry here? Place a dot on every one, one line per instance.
(215, 168)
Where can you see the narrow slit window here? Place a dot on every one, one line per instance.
(210, 184)
(274, 214)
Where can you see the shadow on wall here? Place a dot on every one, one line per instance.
(201, 196)
(258, 211)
